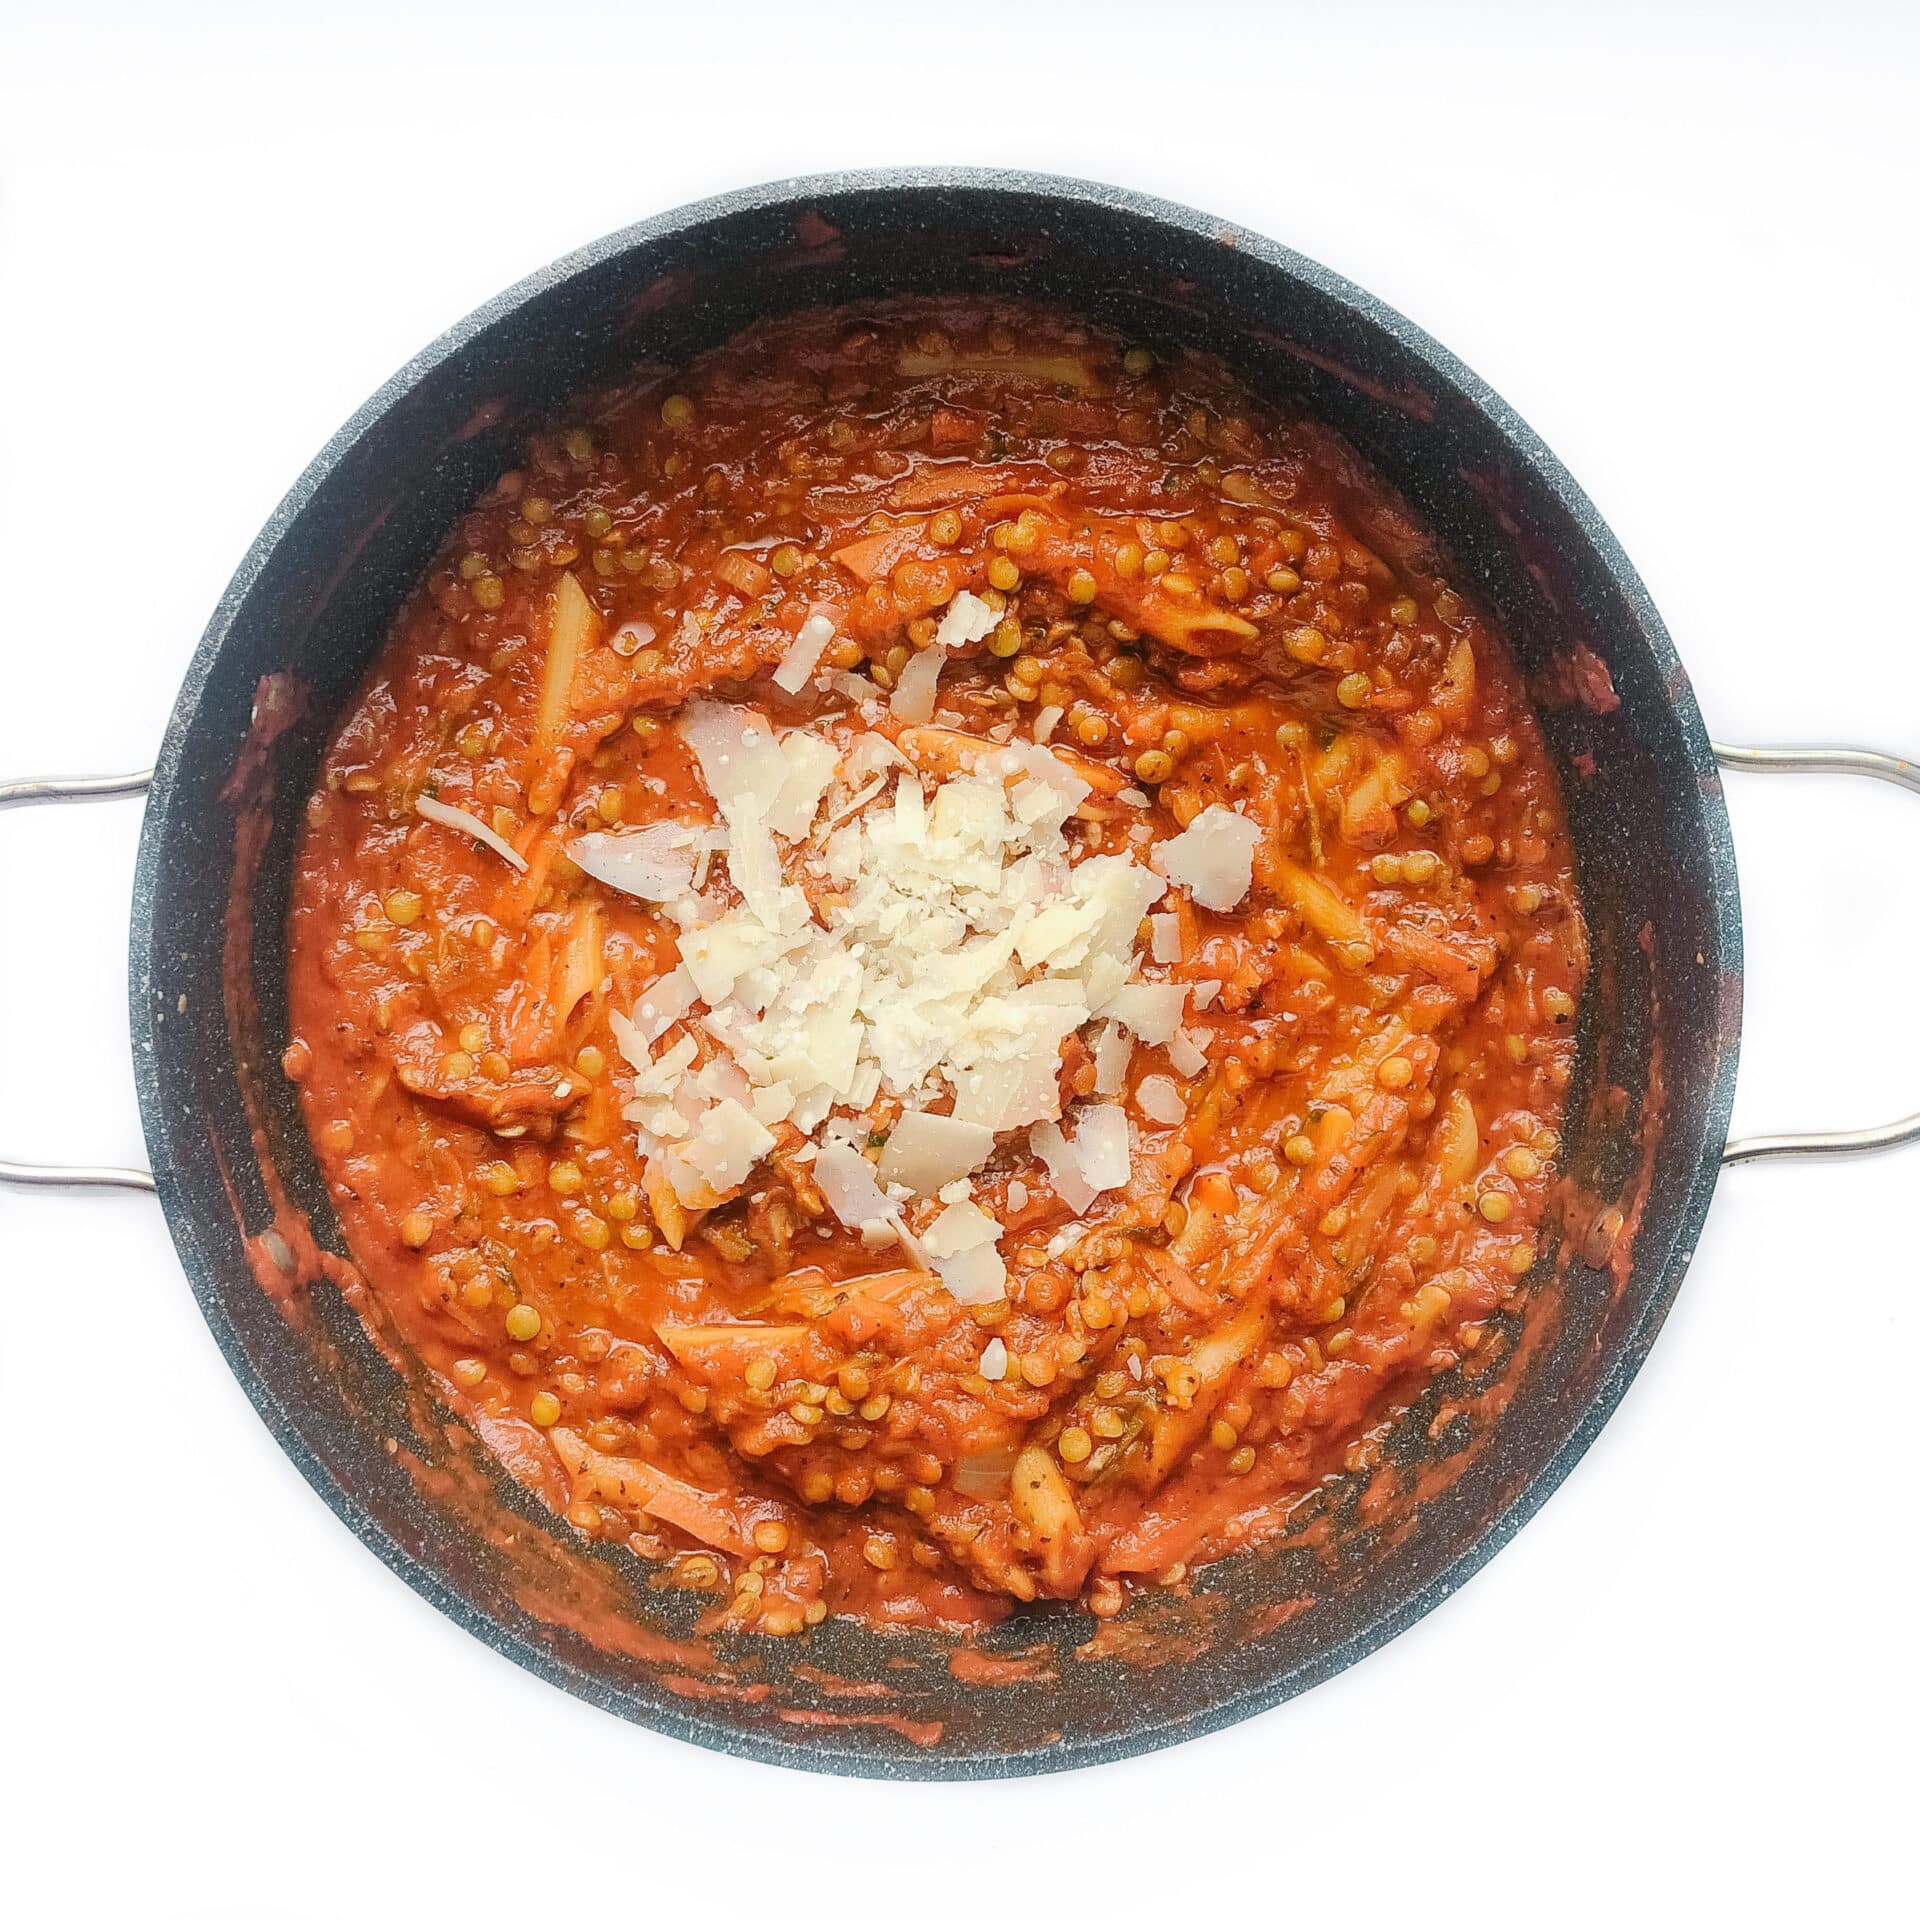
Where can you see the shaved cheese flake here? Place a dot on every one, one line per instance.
(913, 694)
(1159, 1099)
(993, 1359)
(1101, 1142)
(720, 1079)
(715, 956)
(811, 765)
(1045, 766)
(461, 821)
(1003, 1094)
(728, 1143)
(650, 863)
(1205, 993)
(803, 654)
(1213, 859)
(963, 1245)
(1057, 1154)
(956, 1228)
(1166, 936)
(660, 1076)
(740, 760)
(1111, 1053)
(927, 1151)
(974, 1276)
(1184, 1055)
(1151, 1012)
(847, 1182)
(968, 618)
(753, 864)
(665, 1001)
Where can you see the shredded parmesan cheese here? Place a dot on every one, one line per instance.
(803, 655)
(937, 948)
(1213, 859)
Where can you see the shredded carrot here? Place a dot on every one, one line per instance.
(880, 552)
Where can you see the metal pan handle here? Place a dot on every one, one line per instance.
(1874, 766)
(38, 793)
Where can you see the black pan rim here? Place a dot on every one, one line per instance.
(824, 1754)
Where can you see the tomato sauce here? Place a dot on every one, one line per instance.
(1192, 602)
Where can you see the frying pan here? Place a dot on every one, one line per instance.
(1645, 1136)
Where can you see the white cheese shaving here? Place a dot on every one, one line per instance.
(847, 1181)
(968, 618)
(662, 1075)
(993, 1359)
(1097, 1159)
(1213, 859)
(803, 653)
(665, 1001)
(650, 863)
(1111, 1053)
(1184, 1055)
(739, 758)
(925, 1151)
(1151, 1012)
(1166, 936)
(1159, 1099)
(913, 693)
(811, 765)
(1101, 1141)
(728, 1142)
(1056, 1153)
(961, 1243)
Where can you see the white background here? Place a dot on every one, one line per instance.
(1680, 240)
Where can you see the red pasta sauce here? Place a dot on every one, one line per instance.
(1197, 628)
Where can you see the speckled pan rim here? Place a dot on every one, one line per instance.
(815, 1753)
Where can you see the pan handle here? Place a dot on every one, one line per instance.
(1874, 766)
(39, 793)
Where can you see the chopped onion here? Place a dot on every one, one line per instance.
(461, 821)
(986, 1473)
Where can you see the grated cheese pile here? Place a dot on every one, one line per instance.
(934, 942)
